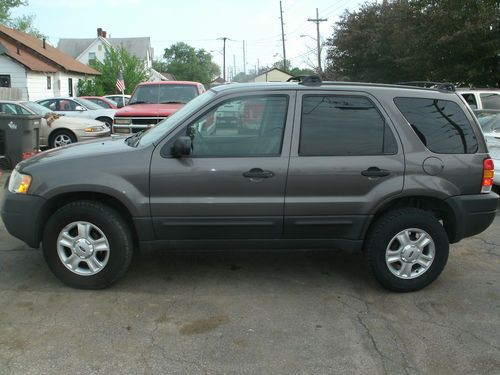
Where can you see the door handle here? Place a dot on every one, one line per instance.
(258, 173)
(375, 172)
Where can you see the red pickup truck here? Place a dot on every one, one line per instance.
(151, 102)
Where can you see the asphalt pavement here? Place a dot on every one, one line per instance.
(255, 312)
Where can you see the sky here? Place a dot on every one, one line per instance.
(199, 23)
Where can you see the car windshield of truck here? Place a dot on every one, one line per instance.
(155, 134)
(87, 104)
(163, 94)
(39, 109)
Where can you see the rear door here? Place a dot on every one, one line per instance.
(345, 159)
(232, 185)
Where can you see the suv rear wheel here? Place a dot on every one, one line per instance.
(407, 249)
(87, 245)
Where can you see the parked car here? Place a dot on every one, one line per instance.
(101, 101)
(151, 102)
(481, 99)
(55, 130)
(78, 107)
(490, 125)
(372, 167)
(120, 100)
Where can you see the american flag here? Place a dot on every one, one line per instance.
(120, 84)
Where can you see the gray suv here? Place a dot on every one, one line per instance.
(398, 172)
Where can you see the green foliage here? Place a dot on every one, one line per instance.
(88, 87)
(160, 66)
(446, 40)
(190, 64)
(23, 23)
(133, 70)
(241, 77)
(301, 72)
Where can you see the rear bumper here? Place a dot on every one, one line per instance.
(473, 214)
(21, 216)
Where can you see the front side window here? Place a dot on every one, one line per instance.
(490, 100)
(471, 100)
(243, 127)
(441, 125)
(336, 125)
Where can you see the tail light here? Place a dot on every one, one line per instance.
(488, 173)
(29, 154)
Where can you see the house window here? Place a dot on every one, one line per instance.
(49, 83)
(70, 86)
(4, 80)
(91, 56)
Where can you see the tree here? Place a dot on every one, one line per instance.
(116, 60)
(23, 23)
(446, 40)
(160, 66)
(188, 63)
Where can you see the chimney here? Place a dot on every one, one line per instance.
(103, 34)
(43, 41)
(99, 32)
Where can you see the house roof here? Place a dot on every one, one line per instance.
(270, 70)
(34, 57)
(168, 76)
(138, 47)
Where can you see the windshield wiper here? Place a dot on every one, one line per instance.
(138, 102)
(173, 102)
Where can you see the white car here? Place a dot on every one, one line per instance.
(55, 130)
(481, 99)
(490, 125)
(119, 99)
(79, 107)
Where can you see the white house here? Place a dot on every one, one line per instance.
(37, 69)
(87, 49)
(272, 75)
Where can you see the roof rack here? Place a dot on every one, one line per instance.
(445, 86)
(312, 80)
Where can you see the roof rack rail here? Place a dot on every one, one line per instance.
(312, 80)
(445, 86)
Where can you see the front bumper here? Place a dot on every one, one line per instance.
(473, 214)
(21, 216)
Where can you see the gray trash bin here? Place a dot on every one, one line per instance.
(19, 138)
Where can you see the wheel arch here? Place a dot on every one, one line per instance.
(104, 118)
(55, 131)
(58, 201)
(440, 209)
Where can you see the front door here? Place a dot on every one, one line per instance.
(345, 160)
(232, 185)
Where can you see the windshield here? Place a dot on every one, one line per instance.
(490, 122)
(39, 109)
(87, 103)
(169, 123)
(164, 93)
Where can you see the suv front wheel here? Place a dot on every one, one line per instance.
(407, 249)
(87, 245)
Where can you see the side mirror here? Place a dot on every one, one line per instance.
(181, 147)
(79, 108)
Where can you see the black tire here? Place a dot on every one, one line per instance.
(383, 233)
(59, 136)
(106, 120)
(116, 232)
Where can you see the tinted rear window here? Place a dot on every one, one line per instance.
(335, 125)
(441, 125)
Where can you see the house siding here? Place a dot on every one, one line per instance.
(97, 47)
(37, 85)
(17, 74)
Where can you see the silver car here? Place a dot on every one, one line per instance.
(490, 125)
(57, 130)
(79, 107)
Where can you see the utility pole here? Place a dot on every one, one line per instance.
(283, 37)
(244, 60)
(317, 21)
(223, 57)
(234, 65)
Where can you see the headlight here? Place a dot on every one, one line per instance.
(94, 129)
(122, 121)
(19, 183)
